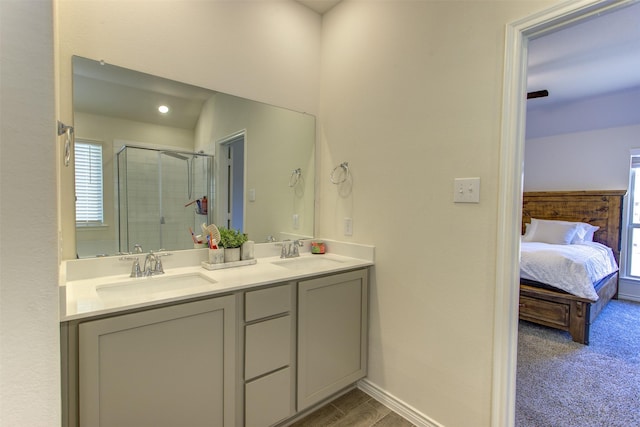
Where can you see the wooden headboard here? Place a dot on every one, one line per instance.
(601, 208)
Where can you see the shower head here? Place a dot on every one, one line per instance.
(175, 155)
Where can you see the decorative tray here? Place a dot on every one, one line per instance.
(219, 266)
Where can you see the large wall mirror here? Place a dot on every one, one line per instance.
(142, 176)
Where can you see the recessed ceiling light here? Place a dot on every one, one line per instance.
(163, 109)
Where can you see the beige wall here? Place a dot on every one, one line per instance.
(411, 94)
(277, 141)
(274, 57)
(29, 343)
(411, 98)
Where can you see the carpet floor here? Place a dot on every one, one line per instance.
(561, 383)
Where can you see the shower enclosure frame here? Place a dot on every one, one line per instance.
(125, 229)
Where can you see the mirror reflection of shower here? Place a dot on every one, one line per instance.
(189, 160)
(155, 191)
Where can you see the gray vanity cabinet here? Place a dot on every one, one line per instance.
(332, 335)
(170, 366)
(254, 359)
(269, 362)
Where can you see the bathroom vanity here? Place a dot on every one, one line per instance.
(253, 346)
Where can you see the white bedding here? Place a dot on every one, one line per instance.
(572, 268)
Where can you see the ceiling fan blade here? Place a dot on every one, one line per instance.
(538, 94)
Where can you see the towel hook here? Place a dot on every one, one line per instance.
(68, 131)
(344, 169)
(295, 177)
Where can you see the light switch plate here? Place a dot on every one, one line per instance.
(466, 190)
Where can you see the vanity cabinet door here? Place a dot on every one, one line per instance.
(172, 366)
(332, 335)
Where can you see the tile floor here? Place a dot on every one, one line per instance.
(353, 409)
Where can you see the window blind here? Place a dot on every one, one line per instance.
(88, 165)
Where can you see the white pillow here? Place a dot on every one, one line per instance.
(553, 232)
(584, 232)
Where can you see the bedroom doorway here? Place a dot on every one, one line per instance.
(230, 209)
(510, 188)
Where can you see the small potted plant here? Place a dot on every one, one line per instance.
(231, 240)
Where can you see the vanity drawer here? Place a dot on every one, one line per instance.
(267, 346)
(267, 302)
(268, 399)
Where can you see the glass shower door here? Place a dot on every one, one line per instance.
(154, 188)
(139, 202)
(175, 192)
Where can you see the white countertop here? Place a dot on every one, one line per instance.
(87, 291)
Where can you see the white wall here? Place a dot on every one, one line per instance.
(29, 343)
(411, 98)
(592, 160)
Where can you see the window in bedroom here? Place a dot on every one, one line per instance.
(89, 189)
(632, 258)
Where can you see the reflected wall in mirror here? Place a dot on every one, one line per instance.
(241, 155)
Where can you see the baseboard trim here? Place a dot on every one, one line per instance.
(628, 297)
(401, 408)
(629, 289)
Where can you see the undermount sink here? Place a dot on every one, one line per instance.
(153, 286)
(313, 261)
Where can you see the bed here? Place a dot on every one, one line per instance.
(546, 305)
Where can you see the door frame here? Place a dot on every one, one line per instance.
(510, 185)
(222, 182)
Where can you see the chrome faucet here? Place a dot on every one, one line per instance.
(152, 264)
(284, 252)
(290, 248)
(296, 245)
(135, 268)
(152, 260)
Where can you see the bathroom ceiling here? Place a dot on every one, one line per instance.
(108, 90)
(595, 57)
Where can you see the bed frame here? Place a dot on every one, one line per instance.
(556, 308)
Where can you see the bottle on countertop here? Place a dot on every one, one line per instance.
(204, 204)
